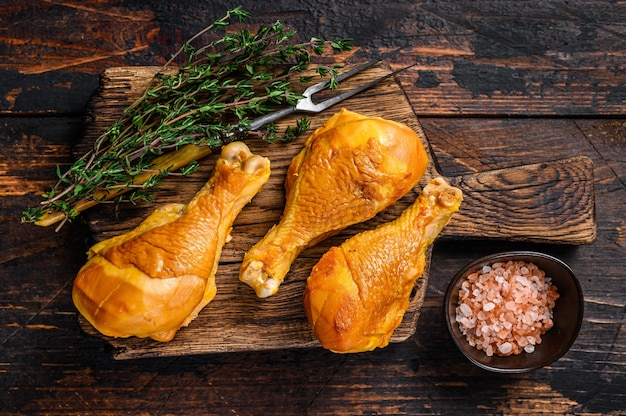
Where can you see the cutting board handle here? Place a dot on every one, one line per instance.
(549, 202)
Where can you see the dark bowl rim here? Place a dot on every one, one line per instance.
(490, 258)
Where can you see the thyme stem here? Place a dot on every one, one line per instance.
(186, 113)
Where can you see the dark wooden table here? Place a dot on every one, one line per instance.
(497, 84)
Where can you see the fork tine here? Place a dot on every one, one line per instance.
(307, 105)
(324, 84)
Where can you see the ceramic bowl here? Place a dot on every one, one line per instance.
(567, 315)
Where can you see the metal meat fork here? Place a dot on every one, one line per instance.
(306, 104)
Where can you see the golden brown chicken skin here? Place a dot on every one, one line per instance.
(155, 279)
(357, 294)
(350, 169)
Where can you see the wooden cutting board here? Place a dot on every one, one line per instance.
(545, 202)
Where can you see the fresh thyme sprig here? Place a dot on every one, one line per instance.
(187, 112)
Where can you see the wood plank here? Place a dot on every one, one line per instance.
(550, 201)
(236, 320)
(52, 36)
(512, 58)
(490, 58)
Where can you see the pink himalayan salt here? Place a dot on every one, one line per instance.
(505, 307)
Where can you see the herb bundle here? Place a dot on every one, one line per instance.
(188, 112)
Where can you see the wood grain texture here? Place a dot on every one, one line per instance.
(492, 58)
(544, 202)
(119, 34)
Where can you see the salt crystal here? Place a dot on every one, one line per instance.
(529, 349)
(465, 310)
(505, 348)
(489, 351)
(527, 318)
(509, 302)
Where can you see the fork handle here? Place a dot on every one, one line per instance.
(259, 122)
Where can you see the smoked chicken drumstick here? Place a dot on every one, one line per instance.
(350, 169)
(357, 293)
(155, 279)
